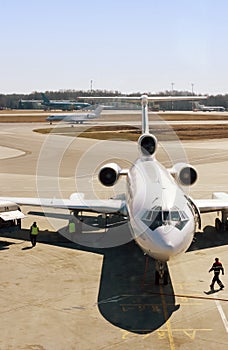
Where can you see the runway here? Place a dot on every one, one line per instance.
(67, 296)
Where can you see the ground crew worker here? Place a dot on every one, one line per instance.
(34, 230)
(71, 227)
(216, 267)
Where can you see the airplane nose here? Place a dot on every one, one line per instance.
(169, 241)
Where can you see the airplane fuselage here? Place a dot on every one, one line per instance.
(210, 108)
(161, 217)
(71, 118)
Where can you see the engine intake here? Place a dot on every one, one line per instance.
(184, 173)
(147, 144)
(109, 174)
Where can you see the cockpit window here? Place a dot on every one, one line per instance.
(166, 215)
(157, 217)
(175, 215)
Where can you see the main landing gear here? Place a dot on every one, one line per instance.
(222, 225)
(161, 273)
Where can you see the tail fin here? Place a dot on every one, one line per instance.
(197, 106)
(98, 110)
(44, 97)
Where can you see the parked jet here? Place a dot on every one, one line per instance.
(161, 216)
(199, 107)
(64, 105)
(75, 117)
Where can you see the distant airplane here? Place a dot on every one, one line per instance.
(199, 107)
(64, 105)
(77, 118)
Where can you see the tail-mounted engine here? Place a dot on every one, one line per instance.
(147, 144)
(109, 174)
(184, 174)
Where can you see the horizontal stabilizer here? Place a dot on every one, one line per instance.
(149, 98)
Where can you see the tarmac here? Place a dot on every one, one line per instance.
(64, 295)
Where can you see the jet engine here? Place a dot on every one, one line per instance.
(109, 174)
(184, 174)
(147, 144)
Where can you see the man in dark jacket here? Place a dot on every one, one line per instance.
(216, 267)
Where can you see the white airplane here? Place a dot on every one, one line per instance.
(162, 218)
(203, 108)
(75, 117)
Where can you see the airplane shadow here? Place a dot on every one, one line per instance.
(128, 298)
(209, 238)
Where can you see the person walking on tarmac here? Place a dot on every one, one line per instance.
(71, 230)
(72, 227)
(216, 267)
(34, 230)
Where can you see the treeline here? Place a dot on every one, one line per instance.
(11, 101)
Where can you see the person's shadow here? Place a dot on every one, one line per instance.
(212, 291)
(27, 248)
(4, 245)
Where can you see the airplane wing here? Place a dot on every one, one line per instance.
(75, 202)
(217, 203)
(75, 119)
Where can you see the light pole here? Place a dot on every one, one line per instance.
(192, 94)
(172, 84)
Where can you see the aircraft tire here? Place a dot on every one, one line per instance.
(218, 224)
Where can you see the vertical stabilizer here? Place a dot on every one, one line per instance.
(45, 99)
(98, 110)
(145, 119)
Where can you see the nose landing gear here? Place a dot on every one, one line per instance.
(161, 273)
(156, 268)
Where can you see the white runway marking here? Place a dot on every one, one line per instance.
(222, 314)
(6, 152)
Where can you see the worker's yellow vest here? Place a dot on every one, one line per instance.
(71, 227)
(35, 230)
